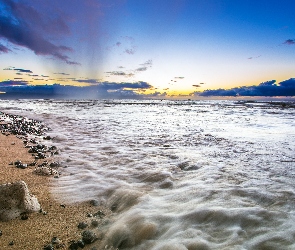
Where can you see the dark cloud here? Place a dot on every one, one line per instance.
(13, 83)
(65, 74)
(24, 26)
(89, 81)
(23, 70)
(290, 42)
(116, 73)
(3, 49)
(124, 85)
(118, 44)
(141, 69)
(268, 88)
(21, 89)
(179, 77)
(196, 85)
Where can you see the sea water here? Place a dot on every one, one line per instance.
(177, 174)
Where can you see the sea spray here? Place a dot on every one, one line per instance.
(177, 175)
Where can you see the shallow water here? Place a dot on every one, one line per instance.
(178, 175)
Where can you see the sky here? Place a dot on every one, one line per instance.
(148, 48)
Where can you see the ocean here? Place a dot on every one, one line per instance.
(177, 174)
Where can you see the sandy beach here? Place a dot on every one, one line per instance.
(59, 220)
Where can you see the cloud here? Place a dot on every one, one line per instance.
(157, 94)
(21, 89)
(13, 83)
(290, 42)
(268, 88)
(130, 51)
(115, 86)
(196, 85)
(89, 81)
(4, 49)
(22, 26)
(23, 70)
(250, 58)
(179, 77)
(116, 73)
(65, 74)
(148, 63)
(120, 73)
(141, 69)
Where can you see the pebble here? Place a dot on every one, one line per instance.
(48, 247)
(100, 214)
(24, 217)
(94, 203)
(11, 243)
(1, 233)
(74, 245)
(55, 240)
(94, 223)
(82, 225)
(88, 237)
(81, 243)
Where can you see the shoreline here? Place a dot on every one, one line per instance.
(54, 220)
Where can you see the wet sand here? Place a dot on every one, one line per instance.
(38, 230)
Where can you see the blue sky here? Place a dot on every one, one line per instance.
(175, 47)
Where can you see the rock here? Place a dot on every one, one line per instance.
(74, 246)
(82, 225)
(81, 243)
(94, 203)
(94, 223)
(99, 214)
(24, 216)
(1, 233)
(48, 247)
(88, 237)
(11, 243)
(55, 240)
(15, 199)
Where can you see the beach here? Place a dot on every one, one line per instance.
(55, 219)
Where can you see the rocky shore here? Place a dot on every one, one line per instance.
(30, 218)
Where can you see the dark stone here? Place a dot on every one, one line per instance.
(1, 233)
(24, 217)
(81, 243)
(17, 163)
(22, 166)
(47, 137)
(99, 214)
(94, 223)
(32, 164)
(55, 240)
(82, 225)
(74, 246)
(63, 205)
(11, 243)
(94, 203)
(88, 237)
(48, 247)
